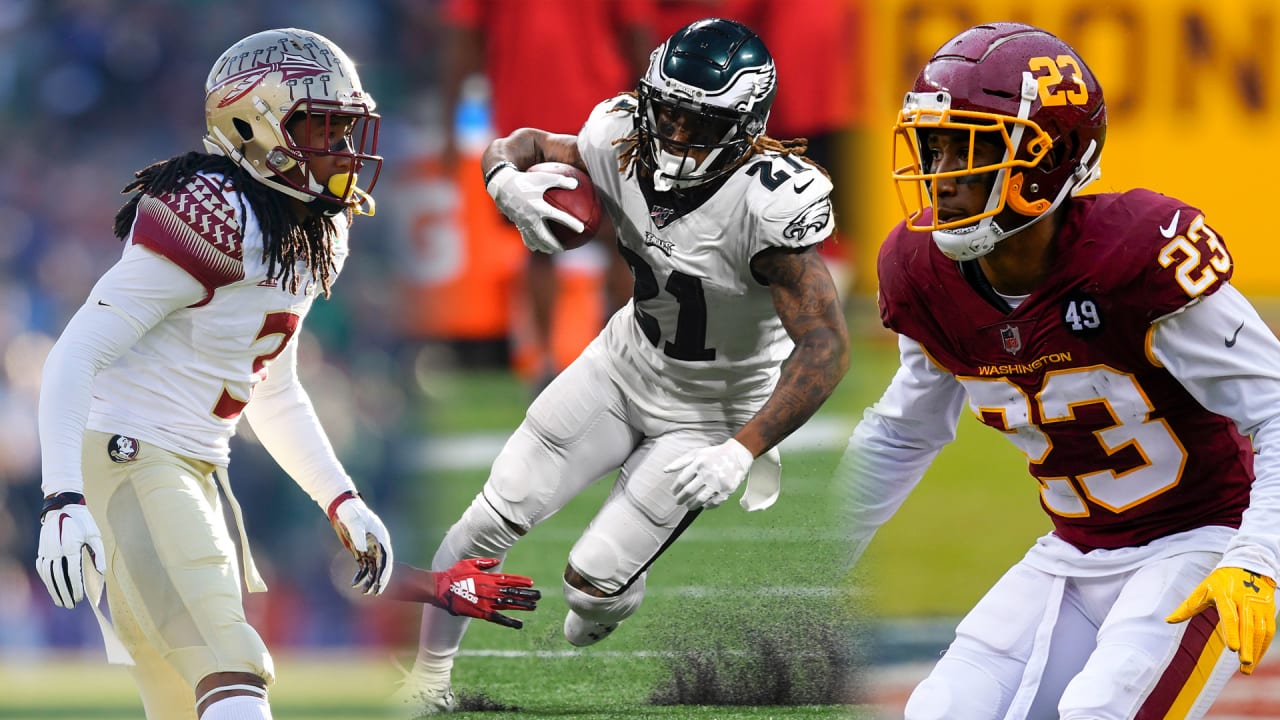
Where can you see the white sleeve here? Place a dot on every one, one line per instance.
(129, 299)
(896, 441)
(285, 421)
(1224, 354)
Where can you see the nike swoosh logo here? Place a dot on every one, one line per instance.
(62, 518)
(103, 304)
(1172, 229)
(801, 188)
(1231, 341)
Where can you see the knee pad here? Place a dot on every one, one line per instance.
(957, 690)
(605, 610)
(480, 532)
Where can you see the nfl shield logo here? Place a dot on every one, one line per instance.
(1011, 339)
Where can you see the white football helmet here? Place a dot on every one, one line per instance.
(260, 82)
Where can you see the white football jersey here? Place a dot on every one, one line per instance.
(184, 384)
(701, 327)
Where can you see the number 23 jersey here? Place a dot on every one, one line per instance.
(701, 326)
(1123, 453)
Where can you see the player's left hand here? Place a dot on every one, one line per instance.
(367, 538)
(708, 476)
(1246, 609)
(466, 589)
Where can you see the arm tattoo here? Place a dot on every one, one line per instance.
(809, 307)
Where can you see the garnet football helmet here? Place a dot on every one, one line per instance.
(255, 89)
(1021, 88)
(719, 72)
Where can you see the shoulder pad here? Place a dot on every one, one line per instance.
(609, 121)
(793, 196)
(195, 228)
(1160, 247)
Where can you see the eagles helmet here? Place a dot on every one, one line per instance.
(260, 82)
(720, 72)
(1029, 93)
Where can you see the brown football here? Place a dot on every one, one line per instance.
(580, 202)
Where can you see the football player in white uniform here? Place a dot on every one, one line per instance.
(733, 339)
(224, 253)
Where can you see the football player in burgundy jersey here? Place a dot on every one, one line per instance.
(194, 327)
(1102, 336)
(685, 391)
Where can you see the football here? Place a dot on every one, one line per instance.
(580, 202)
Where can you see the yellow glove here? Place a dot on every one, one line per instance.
(1246, 610)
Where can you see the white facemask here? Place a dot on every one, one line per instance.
(671, 167)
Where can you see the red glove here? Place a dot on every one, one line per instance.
(466, 589)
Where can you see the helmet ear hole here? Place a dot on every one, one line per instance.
(244, 128)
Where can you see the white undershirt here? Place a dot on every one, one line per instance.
(1013, 300)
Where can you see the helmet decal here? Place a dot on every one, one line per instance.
(290, 71)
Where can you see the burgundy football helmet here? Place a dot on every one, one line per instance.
(1022, 88)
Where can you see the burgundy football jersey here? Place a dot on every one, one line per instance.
(1122, 452)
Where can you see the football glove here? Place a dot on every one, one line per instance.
(519, 196)
(65, 527)
(708, 476)
(1246, 611)
(367, 538)
(466, 589)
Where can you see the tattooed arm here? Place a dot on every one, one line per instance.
(809, 307)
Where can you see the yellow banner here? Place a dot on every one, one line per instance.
(1193, 100)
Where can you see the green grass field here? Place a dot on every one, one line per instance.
(734, 589)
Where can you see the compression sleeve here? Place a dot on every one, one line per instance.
(1224, 354)
(285, 421)
(129, 299)
(896, 441)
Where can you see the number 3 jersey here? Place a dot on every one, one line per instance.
(185, 382)
(1123, 452)
(701, 338)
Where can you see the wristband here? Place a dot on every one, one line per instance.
(333, 506)
(494, 171)
(60, 500)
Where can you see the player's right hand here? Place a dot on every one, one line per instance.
(1246, 611)
(519, 196)
(466, 589)
(66, 527)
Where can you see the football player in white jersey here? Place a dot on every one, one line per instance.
(192, 328)
(733, 339)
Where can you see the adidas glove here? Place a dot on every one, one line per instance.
(466, 589)
(1246, 609)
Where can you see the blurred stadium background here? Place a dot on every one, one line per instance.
(91, 90)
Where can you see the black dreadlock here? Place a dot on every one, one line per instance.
(286, 239)
(796, 147)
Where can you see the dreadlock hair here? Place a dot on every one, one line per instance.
(796, 147)
(286, 238)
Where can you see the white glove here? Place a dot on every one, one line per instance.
(519, 196)
(64, 530)
(708, 476)
(367, 538)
